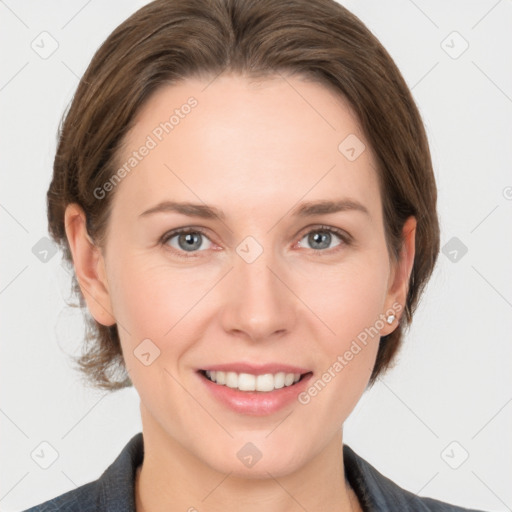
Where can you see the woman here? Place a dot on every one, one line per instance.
(245, 192)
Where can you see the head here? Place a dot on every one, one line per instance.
(249, 110)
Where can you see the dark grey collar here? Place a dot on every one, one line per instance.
(114, 491)
(378, 493)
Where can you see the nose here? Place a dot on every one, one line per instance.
(259, 303)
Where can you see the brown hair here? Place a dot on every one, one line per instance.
(170, 40)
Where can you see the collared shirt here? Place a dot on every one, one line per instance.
(114, 490)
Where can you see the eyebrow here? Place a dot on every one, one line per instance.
(307, 209)
(191, 209)
(324, 207)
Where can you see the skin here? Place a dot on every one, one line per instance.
(254, 150)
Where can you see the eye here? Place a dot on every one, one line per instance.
(320, 238)
(186, 240)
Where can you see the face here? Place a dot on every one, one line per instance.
(257, 275)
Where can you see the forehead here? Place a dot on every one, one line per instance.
(265, 141)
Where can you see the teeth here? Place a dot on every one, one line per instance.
(248, 382)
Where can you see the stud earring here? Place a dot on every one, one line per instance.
(390, 319)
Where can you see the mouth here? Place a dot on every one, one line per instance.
(248, 382)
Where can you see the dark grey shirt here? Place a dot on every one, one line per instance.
(113, 491)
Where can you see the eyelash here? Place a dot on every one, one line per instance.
(345, 238)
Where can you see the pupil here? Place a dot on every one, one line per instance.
(191, 241)
(318, 238)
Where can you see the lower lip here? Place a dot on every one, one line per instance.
(256, 403)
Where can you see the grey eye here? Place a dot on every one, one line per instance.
(189, 241)
(319, 239)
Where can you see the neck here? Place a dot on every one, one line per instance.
(172, 479)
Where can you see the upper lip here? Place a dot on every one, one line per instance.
(256, 369)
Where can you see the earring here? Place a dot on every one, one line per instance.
(390, 319)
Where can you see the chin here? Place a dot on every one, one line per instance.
(248, 459)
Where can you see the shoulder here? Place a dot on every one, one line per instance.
(81, 499)
(378, 493)
(113, 490)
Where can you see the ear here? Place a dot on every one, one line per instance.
(398, 283)
(89, 266)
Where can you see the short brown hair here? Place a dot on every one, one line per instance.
(171, 40)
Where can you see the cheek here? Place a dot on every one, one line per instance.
(155, 303)
(349, 297)
(156, 300)
(346, 357)
(350, 301)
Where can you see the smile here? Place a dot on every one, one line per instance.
(255, 402)
(248, 382)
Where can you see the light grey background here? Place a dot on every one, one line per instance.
(450, 394)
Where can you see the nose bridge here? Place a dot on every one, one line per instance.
(259, 303)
